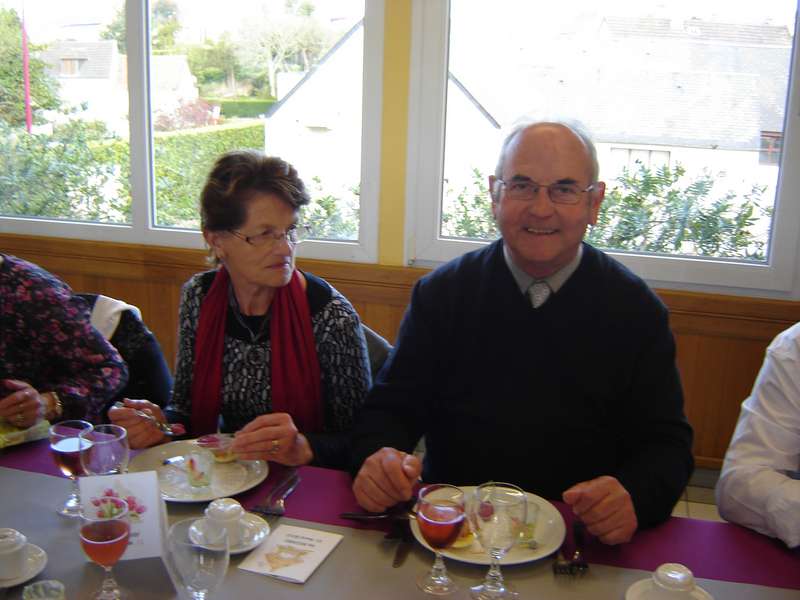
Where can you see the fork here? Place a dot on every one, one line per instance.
(578, 564)
(562, 564)
(275, 502)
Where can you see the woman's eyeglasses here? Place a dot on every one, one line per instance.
(294, 235)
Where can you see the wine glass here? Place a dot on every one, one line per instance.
(104, 538)
(498, 512)
(440, 516)
(106, 450)
(66, 447)
(196, 562)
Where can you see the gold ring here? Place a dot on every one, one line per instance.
(276, 445)
(19, 418)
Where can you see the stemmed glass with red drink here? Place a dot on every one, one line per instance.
(67, 446)
(104, 537)
(440, 517)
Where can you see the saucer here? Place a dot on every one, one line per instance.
(256, 531)
(35, 562)
(642, 588)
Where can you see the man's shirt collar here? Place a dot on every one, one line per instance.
(555, 281)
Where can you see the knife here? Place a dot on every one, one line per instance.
(403, 528)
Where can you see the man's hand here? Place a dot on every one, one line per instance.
(273, 437)
(386, 478)
(142, 432)
(605, 507)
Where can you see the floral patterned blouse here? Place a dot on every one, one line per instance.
(46, 339)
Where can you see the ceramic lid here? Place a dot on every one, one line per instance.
(11, 540)
(674, 577)
(224, 509)
(670, 581)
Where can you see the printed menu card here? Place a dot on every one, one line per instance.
(146, 509)
(291, 553)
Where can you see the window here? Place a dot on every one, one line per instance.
(620, 159)
(71, 67)
(135, 100)
(70, 165)
(771, 146)
(677, 97)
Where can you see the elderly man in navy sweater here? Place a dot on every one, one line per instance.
(537, 360)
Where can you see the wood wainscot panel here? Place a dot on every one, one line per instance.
(720, 339)
(721, 342)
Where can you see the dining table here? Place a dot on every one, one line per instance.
(728, 561)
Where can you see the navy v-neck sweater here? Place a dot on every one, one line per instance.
(584, 386)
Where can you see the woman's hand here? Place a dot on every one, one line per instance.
(24, 406)
(142, 432)
(272, 437)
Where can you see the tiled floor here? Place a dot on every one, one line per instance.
(698, 498)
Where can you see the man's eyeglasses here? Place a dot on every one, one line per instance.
(559, 193)
(294, 235)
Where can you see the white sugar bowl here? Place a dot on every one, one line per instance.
(12, 553)
(671, 581)
(228, 514)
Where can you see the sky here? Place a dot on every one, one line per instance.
(45, 19)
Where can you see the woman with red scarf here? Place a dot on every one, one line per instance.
(273, 354)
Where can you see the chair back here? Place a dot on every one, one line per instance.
(378, 350)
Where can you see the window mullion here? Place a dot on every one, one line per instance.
(141, 156)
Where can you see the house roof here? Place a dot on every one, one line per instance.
(699, 30)
(98, 55)
(325, 57)
(652, 81)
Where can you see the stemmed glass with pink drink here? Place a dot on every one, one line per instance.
(67, 447)
(105, 531)
(440, 517)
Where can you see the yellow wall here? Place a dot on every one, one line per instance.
(394, 132)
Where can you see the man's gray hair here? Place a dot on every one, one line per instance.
(575, 127)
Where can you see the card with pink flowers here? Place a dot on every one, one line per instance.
(146, 510)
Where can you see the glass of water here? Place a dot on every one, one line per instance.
(196, 559)
(498, 512)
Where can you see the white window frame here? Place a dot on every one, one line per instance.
(142, 229)
(778, 277)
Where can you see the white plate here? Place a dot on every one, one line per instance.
(639, 590)
(35, 562)
(549, 534)
(228, 479)
(256, 531)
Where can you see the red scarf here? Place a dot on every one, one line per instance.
(295, 366)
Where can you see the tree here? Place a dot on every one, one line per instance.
(662, 210)
(164, 26)
(116, 31)
(75, 173)
(44, 94)
(215, 62)
(292, 40)
(468, 213)
(332, 216)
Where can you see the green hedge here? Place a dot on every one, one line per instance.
(183, 160)
(242, 107)
(72, 173)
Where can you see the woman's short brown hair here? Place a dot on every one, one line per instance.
(236, 177)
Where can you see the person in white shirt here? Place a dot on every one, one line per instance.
(759, 486)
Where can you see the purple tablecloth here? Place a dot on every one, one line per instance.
(710, 549)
